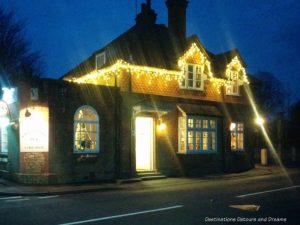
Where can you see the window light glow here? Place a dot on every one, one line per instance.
(232, 126)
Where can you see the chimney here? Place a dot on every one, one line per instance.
(177, 18)
(147, 16)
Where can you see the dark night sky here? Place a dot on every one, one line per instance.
(266, 32)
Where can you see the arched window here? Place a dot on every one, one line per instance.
(86, 130)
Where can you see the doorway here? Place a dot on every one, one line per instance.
(144, 141)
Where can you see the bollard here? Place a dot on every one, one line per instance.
(264, 157)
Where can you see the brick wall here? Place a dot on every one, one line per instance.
(34, 162)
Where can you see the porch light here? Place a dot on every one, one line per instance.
(161, 126)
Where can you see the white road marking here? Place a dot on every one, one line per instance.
(50, 196)
(123, 215)
(13, 197)
(252, 208)
(17, 200)
(268, 191)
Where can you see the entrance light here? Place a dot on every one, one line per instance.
(161, 126)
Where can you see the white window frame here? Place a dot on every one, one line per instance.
(100, 55)
(200, 129)
(234, 77)
(237, 133)
(91, 122)
(197, 70)
(3, 140)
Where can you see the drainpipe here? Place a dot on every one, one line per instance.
(116, 130)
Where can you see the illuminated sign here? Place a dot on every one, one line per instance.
(34, 130)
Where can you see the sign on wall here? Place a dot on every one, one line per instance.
(34, 129)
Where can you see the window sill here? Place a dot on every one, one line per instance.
(86, 152)
(238, 151)
(86, 157)
(197, 152)
(191, 89)
(233, 94)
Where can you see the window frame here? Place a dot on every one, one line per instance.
(102, 54)
(234, 78)
(97, 139)
(196, 130)
(184, 84)
(237, 133)
(3, 140)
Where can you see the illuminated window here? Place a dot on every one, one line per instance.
(237, 136)
(193, 77)
(233, 87)
(3, 140)
(236, 76)
(86, 130)
(197, 134)
(100, 60)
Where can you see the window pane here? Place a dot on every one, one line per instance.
(205, 140)
(198, 123)
(86, 129)
(234, 86)
(240, 141)
(198, 140)
(240, 127)
(233, 140)
(190, 123)
(86, 114)
(190, 83)
(198, 77)
(190, 140)
(212, 124)
(212, 140)
(205, 123)
(182, 133)
(3, 139)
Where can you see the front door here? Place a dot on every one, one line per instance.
(144, 143)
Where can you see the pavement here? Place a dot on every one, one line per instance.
(9, 188)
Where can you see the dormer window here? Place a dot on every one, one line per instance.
(236, 76)
(100, 60)
(193, 77)
(233, 86)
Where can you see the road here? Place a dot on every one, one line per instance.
(244, 200)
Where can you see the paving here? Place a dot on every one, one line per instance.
(9, 188)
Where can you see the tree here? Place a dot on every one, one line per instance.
(270, 96)
(17, 61)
